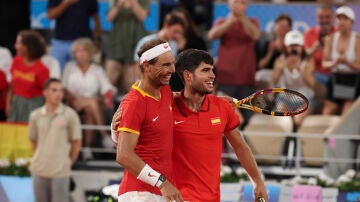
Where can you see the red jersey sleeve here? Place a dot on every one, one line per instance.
(43, 75)
(309, 38)
(133, 115)
(233, 120)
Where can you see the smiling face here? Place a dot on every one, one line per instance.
(202, 80)
(160, 72)
(325, 18)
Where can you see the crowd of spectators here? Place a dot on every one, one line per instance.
(324, 60)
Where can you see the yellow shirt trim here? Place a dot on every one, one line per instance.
(142, 92)
(129, 130)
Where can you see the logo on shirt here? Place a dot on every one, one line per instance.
(150, 175)
(177, 122)
(154, 119)
(215, 121)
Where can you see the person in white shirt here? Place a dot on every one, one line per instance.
(87, 87)
(52, 64)
(5, 61)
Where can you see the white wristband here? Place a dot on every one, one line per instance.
(148, 175)
(114, 135)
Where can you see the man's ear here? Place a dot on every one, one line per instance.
(187, 75)
(146, 66)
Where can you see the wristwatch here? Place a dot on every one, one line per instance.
(161, 180)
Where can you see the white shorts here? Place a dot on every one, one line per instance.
(140, 196)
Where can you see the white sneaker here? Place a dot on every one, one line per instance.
(86, 154)
(107, 142)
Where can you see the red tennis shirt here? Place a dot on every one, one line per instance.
(153, 121)
(198, 145)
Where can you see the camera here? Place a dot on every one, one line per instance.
(294, 52)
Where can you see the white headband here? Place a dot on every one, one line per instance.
(154, 52)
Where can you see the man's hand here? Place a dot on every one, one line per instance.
(170, 192)
(260, 191)
(115, 122)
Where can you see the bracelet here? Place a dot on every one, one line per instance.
(148, 175)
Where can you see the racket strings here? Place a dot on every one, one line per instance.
(282, 102)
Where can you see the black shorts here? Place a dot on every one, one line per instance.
(344, 79)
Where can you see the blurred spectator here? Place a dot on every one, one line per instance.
(3, 90)
(295, 71)
(28, 74)
(127, 17)
(191, 39)
(276, 47)
(172, 30)
(314, 41)
(72, 22)
(5, 61)
(52, 64)
(87, 87)
(166, 6)
(342, 55)
(236, 65)
(55, 133)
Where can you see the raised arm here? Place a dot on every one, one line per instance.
(250, 28)
(55, 12)
(247, 160)
(327, 62)
(218, 30)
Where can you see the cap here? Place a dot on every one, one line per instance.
(347, 11)
(294, 37)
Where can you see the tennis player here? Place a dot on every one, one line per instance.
(200, 120)
(144, 143)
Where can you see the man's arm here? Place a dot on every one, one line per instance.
(250, 28)
(247, 160)
(126, 156)
(58, 10)
(75, 150)
(97, 30)
(218, 30)
(34, 144)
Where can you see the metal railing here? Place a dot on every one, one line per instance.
(297, 158)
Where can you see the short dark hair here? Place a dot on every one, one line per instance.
(34, 42)
(190, 59)
(173, 19)
(284, 17)
(50, 81)
(146, 46)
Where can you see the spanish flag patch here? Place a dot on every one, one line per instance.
(215, 121)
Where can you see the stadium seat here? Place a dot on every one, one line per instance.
(313, 147)
(267, 145)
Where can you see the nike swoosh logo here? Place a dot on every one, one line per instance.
(178, 122)
(154, 119)
(150, 175)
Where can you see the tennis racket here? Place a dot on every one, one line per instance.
(275, 102)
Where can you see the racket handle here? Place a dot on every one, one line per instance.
(260, 199)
